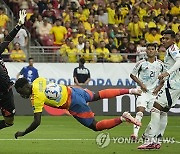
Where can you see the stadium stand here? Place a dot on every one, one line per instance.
(98, 20)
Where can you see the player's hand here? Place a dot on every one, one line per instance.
(22, 16)
(163, 75)
(19, 134)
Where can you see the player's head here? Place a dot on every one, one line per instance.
(23, 87)
(81, 61)
(151, 49)
(168, 38)
(31, 61)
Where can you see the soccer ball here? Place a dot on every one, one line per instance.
(53, 91)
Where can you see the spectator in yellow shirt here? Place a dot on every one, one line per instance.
(102, 52)
(59, 32)
(153, 36)
(111, 13)
(4, 19)
(63, 49)
(17, 55)
(136, 29)
(161, 25)
(115, 57)
(72, 53)
(175, 8)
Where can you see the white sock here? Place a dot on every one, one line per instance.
(162, 124)
(153, 125)
(139, 116)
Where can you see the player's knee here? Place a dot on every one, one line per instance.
(9, 124)
(96, 96)
(93, 126)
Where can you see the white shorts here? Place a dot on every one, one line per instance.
(168, 97)
(146, 100)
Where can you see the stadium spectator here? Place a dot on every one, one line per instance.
(114, 56)
(135, 29)
(123, 48)
(4, 19)
(81, 74)
(141, 50)
(17, 54)
(42, 5)
(72, 52)
(81, 43)
(88, 52)
(73, 99)
(102, 52)
(153, 36)
(59, 32)
(22, 39)
(131, 50)
(29, 72)
(111, 45)
(161, 52)
(6, 92)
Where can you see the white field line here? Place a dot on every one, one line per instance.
(60, 139)
(73, 139)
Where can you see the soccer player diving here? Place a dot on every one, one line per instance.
(74, 99)
(6, 94)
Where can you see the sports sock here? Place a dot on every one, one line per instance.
(110, 93)
(153, 125)
(139, 116)
(108, 123)
(162, 124)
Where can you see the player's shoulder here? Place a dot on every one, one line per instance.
(140, 62)
(160, 62)
(174, 48)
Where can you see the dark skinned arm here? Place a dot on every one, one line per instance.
(32, 127)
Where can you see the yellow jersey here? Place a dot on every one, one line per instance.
(38, 98)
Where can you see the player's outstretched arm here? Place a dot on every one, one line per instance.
(32, 127)
(12, 34)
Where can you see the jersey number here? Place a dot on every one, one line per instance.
(152, 74)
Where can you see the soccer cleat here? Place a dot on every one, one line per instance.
(127, 116)
(135, 91)
(134, 138)
(149, 146)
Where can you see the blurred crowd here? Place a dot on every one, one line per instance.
(97, 30)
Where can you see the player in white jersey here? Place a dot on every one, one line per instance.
(168, 95)
(145, 74)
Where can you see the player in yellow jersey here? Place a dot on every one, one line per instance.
(75, 100)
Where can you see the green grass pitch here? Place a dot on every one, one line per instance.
(64, 135)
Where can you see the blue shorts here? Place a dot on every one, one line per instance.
(79, 108)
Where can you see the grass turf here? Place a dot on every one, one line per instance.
(66, 128)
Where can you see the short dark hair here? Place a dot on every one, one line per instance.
(30, 58)
(20, 83)
(169, 31)
(151, 45)
(82, 60)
